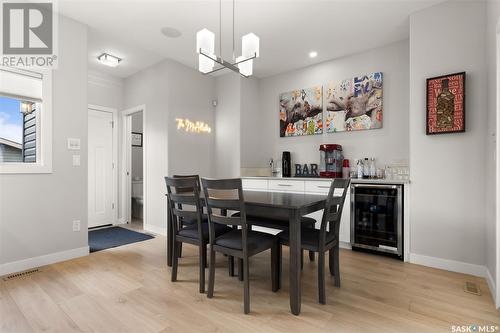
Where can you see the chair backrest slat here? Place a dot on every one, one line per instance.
(227, 220)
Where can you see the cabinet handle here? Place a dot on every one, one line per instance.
(323, 186)
(284, 185)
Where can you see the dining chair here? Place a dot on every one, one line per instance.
(188, 221)
(320, 240)
(280, 224)
(242, 243)
(183, 196)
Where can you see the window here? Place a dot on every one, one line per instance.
(25, 121)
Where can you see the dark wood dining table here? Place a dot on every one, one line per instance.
(286, 206)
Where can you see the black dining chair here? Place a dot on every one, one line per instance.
(188, 221)
(242, 243)
(321, 240)
(280, 224)
(183, 196)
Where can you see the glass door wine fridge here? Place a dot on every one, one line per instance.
(377, 218)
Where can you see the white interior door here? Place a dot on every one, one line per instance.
(100, 168)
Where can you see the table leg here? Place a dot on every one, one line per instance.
(295, 256)
(170, 242)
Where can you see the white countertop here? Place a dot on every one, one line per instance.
(353, 180)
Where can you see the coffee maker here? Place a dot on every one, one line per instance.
(331, 160)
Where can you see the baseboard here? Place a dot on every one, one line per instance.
(154, 229)
(345, 245)
(51, 258)
(491, 284)
(449, 265)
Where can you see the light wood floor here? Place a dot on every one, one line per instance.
(128, 289)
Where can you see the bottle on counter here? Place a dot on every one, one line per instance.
(366, 168)
(360, 168)
(345, 168)
(373, 168)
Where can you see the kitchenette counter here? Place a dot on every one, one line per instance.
(353, 180)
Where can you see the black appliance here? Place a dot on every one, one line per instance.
(377, 218)
(286, 164)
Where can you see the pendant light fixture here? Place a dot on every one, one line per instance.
(205, 47)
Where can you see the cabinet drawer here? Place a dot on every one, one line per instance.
(254, 184)
(318, 186)
(286, 185)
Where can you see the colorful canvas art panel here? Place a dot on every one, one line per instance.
(301, 112)
(354, 104)
(446, 104)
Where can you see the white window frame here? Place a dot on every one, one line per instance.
(43, 162)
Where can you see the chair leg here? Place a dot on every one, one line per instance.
(311, 256)
(246, 286)
(202, 264)
(274, 266)
(230, 260)
(205, 260)
(321, 277)
(175, 261)
(280, 261)
(240, 269)
(334, 264)
(180, 250)
(211, 273)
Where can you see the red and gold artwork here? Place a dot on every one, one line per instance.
(446, 104)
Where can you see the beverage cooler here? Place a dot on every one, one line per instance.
(377, 218)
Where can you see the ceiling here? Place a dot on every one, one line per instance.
(288, 30)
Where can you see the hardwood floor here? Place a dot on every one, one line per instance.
(128, 289)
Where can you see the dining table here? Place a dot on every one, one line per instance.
(287, 206)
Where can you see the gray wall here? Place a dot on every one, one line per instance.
(227, 126)
(447, 204)
(170, 90)
(386, 144)
(58, 198)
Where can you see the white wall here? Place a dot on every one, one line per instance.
(253, 155)
(169, 90)
(105, 90)
(227, 126)
(386, 144)
(137, 164)
(190, 97)
(491, 250)
(37, 210)
(447, 204)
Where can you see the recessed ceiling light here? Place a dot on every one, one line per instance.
(109, 60)
(170, 32)
(313, 54)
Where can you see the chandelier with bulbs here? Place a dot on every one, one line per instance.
(205, 47)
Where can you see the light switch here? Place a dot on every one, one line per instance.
(76, 160)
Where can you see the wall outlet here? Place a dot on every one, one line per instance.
(76, 225)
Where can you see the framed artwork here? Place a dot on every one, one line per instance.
(446, 104)
(136, 139)
(301, 112)
(354, 104)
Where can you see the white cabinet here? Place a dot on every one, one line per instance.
(254, 184)
(286, 185)
(318, 187)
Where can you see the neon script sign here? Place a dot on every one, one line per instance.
(194, 127)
